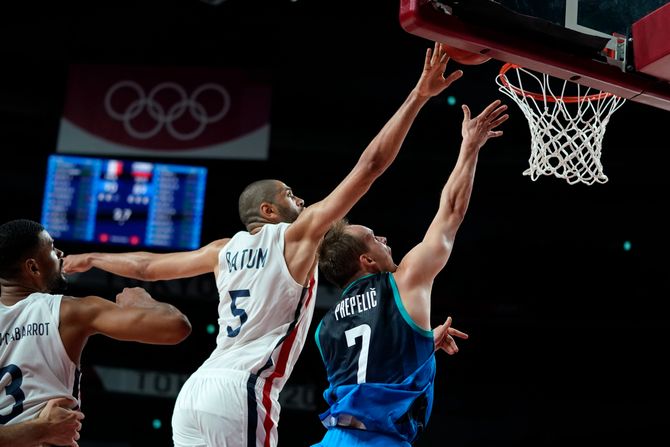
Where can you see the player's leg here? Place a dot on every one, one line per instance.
(248, 417)
(263, 412)
(214, 410)
(185, 431)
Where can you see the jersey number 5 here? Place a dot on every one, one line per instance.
(13, 388)
(352, 334)
(237, 312)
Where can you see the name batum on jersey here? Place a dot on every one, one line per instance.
(249, 258)
(356, 304)
(28, 330)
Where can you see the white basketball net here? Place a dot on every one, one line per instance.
(566, 131)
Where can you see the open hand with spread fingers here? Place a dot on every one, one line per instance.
(476, 131)
(443, 336)
(432, 81)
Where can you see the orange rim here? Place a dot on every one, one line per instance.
(539, 96)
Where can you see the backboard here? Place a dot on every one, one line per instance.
(585, 41)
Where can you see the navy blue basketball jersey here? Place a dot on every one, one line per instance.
(380, 364)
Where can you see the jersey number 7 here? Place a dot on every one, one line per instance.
(352, 334)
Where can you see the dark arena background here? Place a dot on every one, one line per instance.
(563, 288)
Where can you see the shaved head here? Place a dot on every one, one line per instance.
(252, 197)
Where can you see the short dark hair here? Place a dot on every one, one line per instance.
(19, 239)
(251, 198)
(338, 254)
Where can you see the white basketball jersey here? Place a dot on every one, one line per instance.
(34, 366)
(264, 314)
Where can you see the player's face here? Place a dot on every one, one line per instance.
(289, 205)
(377, 248)
(50, 261)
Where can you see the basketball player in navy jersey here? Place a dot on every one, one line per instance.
(376, 342)
(43, 333)
(266, 277)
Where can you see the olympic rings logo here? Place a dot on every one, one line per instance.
(162, 115)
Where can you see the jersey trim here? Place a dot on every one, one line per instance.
(252, 410)
(403, 311)
(56, 316)
(282, 361)
(356, 281)
(284, 265)
(318, 343)
(75, 387)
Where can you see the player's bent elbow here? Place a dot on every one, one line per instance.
(177, 330)
(183, 329)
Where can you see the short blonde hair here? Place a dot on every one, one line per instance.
(339, 252)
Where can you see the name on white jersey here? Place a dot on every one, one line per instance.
(356, 304)
(249, 258)
(28, 330)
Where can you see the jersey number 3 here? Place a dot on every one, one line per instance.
(13, 388)
(237, 312)
(352, 334)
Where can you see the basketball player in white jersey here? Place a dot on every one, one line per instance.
(266, 278)
(43, 333)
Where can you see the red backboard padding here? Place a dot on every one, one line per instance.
(422, 18)
(651, 43)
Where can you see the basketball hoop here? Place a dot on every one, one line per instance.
(566, 131)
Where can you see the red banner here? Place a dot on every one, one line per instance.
(165, 112)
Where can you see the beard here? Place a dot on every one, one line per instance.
(57, 284)
(288, 214)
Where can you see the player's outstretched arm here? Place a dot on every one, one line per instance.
(147, 266)
(56, 425)
(421, 265)
(315, 220)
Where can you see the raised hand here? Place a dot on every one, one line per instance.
(63, 424)
(444, 334)
(432, 81)
(476, 131)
